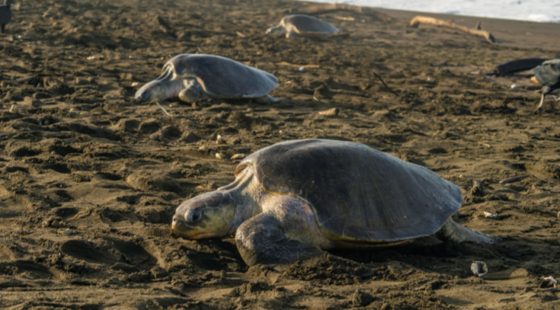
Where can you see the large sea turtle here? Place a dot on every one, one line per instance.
(299, 25)
(293, 199)
(191, 77)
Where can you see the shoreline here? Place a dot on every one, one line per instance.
(513, 33)
(441, 13)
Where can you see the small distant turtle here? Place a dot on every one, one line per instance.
(294, 199)
(191, 77)
(299, 25)
(548, 74)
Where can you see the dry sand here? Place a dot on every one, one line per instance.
(89, 179)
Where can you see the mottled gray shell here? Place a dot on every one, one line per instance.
(357, 193)
(308, 25)
(548, 73)
(223, 77)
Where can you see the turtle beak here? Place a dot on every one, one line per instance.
(179, 225)
(144, 93)
(181, 228)
(205, 216)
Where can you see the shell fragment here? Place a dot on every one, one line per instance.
(490, 215)
(548, 284)
(479, 268)
(238, 156)
(220, 140)
(330, 112)
(477, 188)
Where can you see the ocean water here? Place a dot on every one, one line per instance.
(528, 10)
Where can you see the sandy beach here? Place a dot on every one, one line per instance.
(90, 179)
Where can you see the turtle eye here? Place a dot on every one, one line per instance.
(194, 216)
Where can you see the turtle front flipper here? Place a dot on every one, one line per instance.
(457, 233)
(193, 91)
(293, 34)
(263, 240)
(287, 231)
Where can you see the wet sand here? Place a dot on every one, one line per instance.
(89, 179)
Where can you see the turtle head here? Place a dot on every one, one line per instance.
(276, 30)
(205, 216)
(166, 86)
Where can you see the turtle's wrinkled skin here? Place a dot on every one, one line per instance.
(299, 25)
(548, 74)
(191, 77)
(294, 199)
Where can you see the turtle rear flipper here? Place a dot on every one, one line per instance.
(268, 100)
(548, 74)
(540, 107)
(455, 232)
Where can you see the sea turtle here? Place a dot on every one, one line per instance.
(548, 74)
(301, 25)
(293, 199)
(191, 77)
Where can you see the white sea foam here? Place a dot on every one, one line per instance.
(528, 10)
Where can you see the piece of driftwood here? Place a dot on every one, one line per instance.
(337, 7)
(517, 65)
(330, 112)
(417, 20)
(513, 179)
(206, 33)
(166, 26)
(162, 22)
(529, 87)
(283, 63)
(163, 109)
(23, 80)
(384, 84)
(346, 18)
